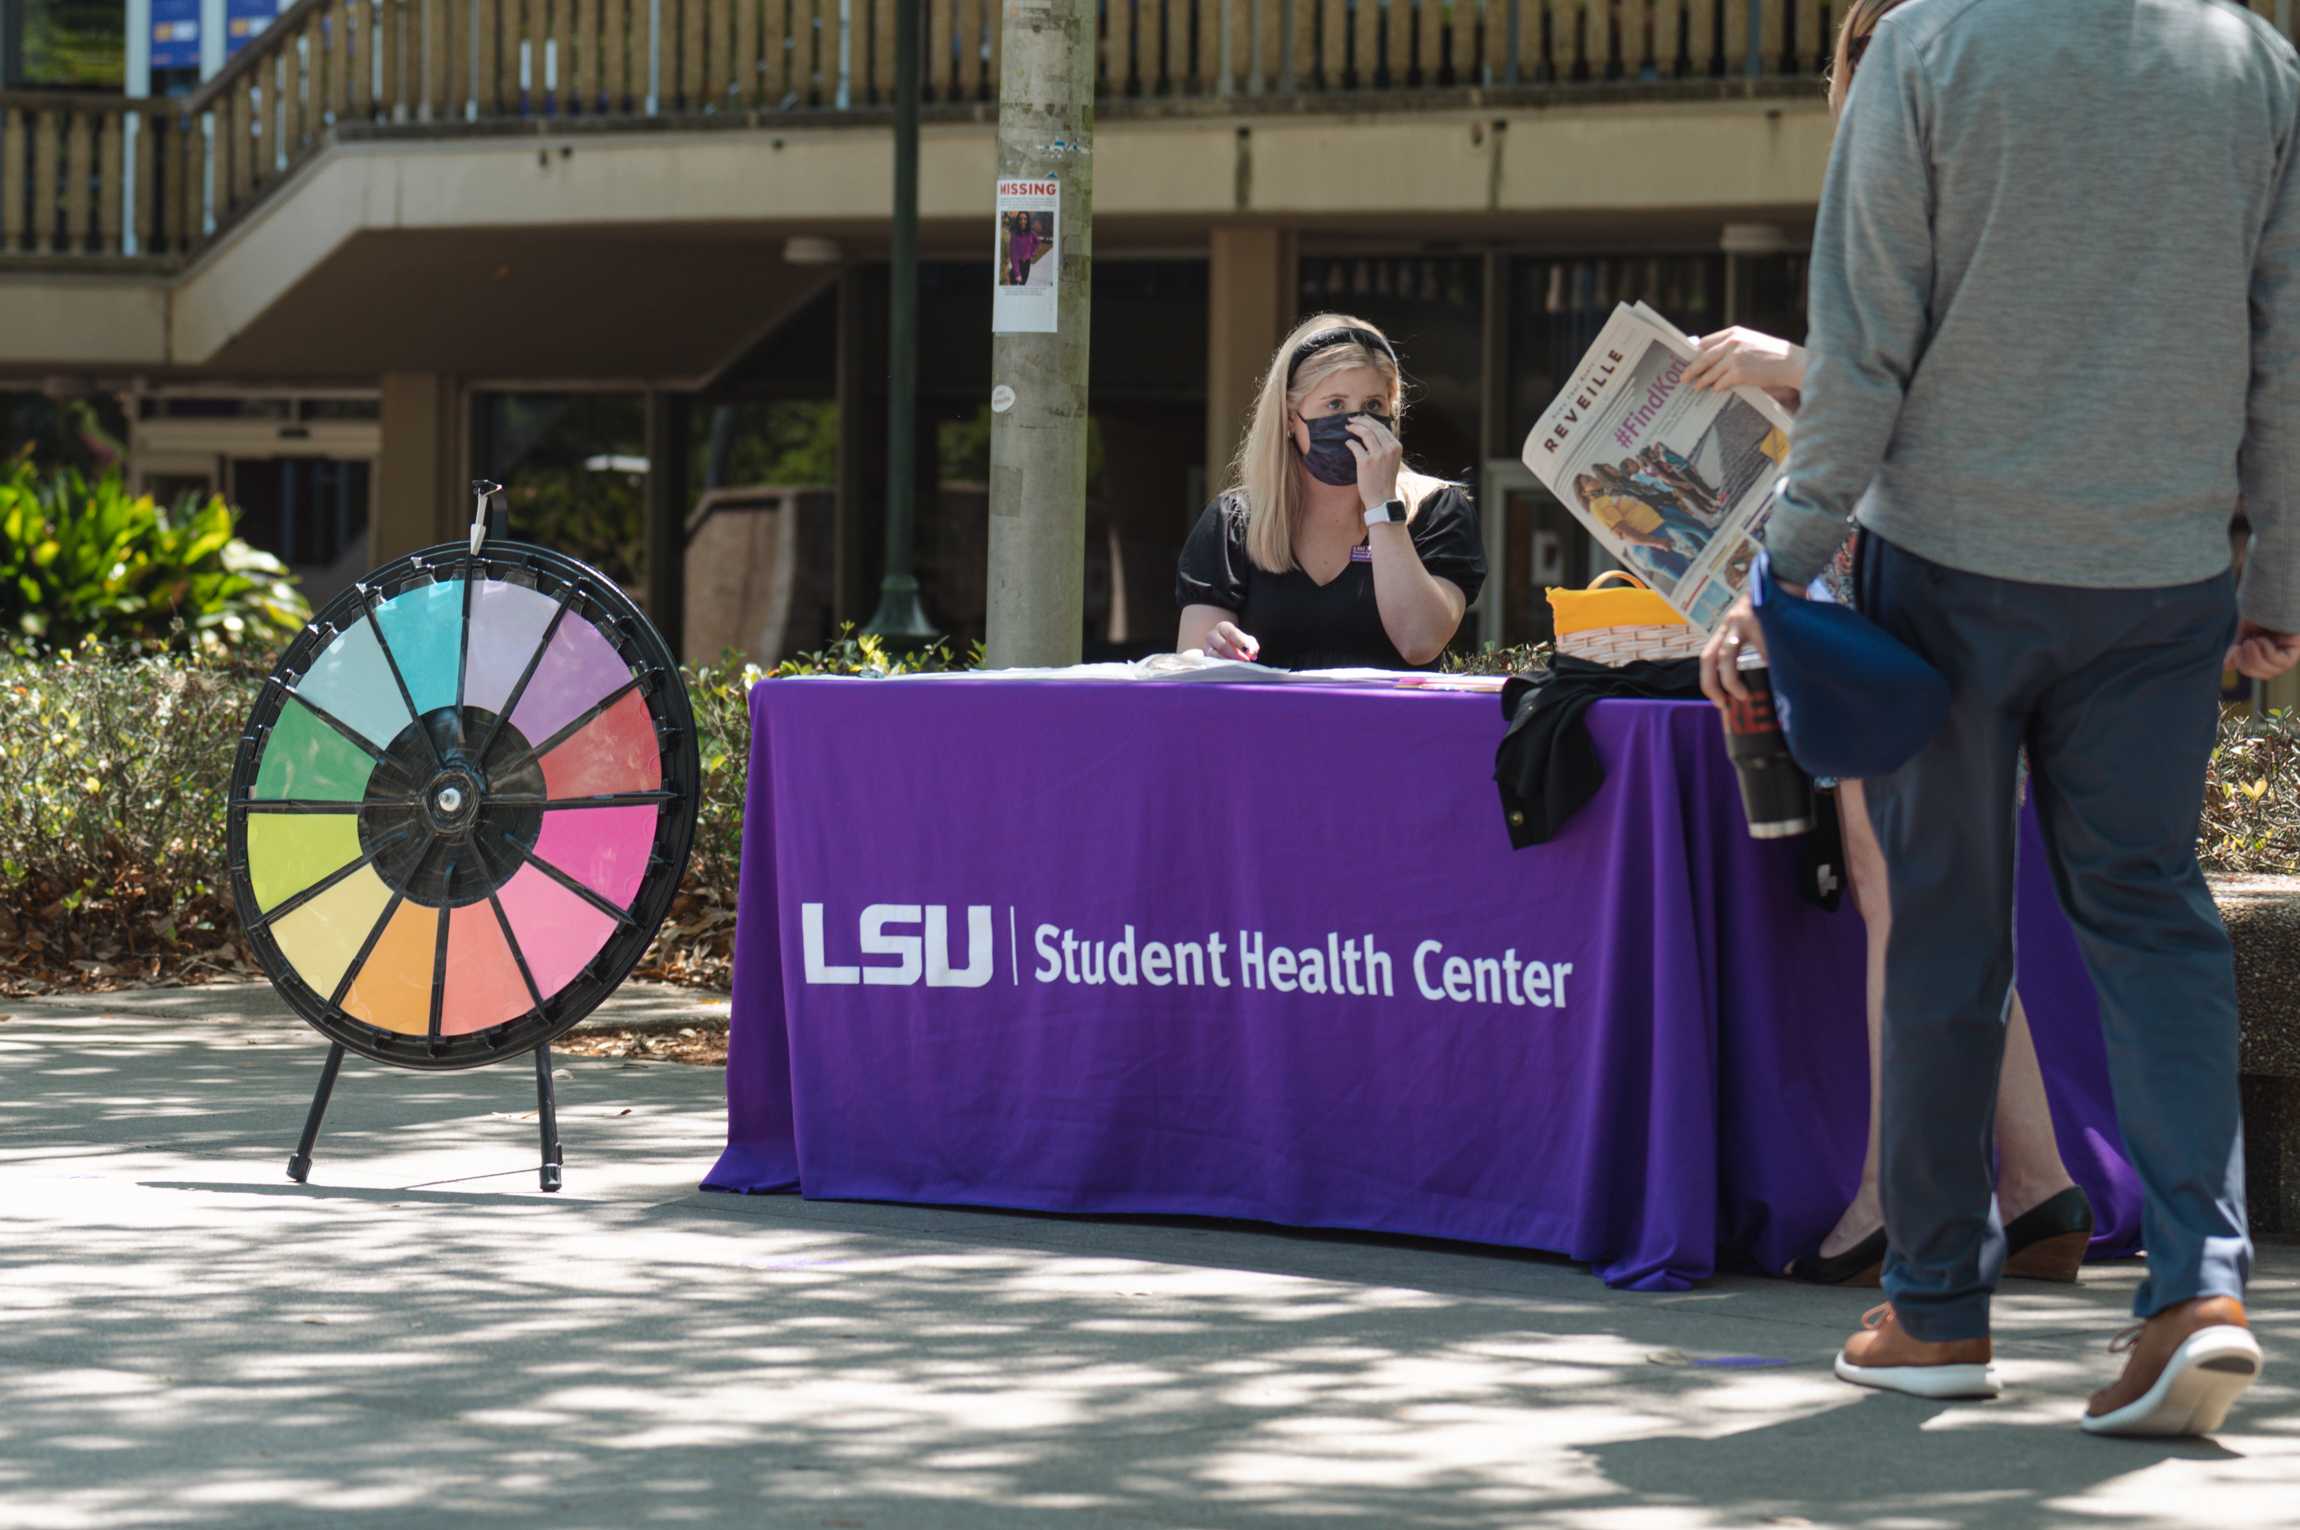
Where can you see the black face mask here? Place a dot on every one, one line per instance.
(1329, 459)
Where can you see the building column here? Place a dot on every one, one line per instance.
(420, 495)
(1251, 281)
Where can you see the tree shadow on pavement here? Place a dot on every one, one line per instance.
(414, 1340)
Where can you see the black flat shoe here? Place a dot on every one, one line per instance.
(1861, 1265)
(2048, 1242)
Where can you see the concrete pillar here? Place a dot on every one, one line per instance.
(1251, 281)
(421, 493)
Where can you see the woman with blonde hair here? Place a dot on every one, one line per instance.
(1326, 551)
(2048, 1222)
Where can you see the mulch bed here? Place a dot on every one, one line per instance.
(702, 1045)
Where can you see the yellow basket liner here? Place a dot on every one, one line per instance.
(1629, 603)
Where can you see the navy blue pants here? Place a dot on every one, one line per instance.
(2115, 693)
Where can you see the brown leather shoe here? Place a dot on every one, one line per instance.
(2189, 1365)
(1887, 1356)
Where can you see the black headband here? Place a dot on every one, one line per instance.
(1327, 339)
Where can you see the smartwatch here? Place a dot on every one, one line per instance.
(1391, 514)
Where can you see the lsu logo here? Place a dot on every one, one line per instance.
(909, 941)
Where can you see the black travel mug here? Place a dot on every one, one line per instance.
(1775, 794)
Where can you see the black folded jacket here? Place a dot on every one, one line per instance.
(1546, 766)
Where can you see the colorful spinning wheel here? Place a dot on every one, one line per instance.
(462, 806)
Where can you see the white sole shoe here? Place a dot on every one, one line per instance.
(1922, 1380)
(2200, 1383)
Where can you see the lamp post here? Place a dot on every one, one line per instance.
(899, 615)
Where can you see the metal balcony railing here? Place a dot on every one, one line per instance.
(97, 179)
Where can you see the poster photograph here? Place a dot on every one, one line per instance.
(1026, 295)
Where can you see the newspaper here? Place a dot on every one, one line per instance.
(1675, 482)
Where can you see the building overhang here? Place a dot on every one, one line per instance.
(660, 254)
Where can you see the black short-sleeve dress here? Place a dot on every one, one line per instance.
(1302, 624)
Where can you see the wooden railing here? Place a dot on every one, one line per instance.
(95, 177)
(65, 187)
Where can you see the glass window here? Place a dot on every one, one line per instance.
(310, 512)
(1771, 295)
(1557, 306)
(787, 443)
(172, 489)
(67, 44)
(340, 409)
(88, 434)
(1145, 447)
(576, 468)
(1433, 310)
(207, 406)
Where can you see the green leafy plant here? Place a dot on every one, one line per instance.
(83, 559)
(697, 942)
(2251, 818)
(113, 769)
(862, 653)
(1498, 661)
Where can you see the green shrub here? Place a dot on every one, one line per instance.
(2252, 797)
(114, 769)
(112, 794)
(1498, 661)
(860, 653)
(84, 559)
(697, 942)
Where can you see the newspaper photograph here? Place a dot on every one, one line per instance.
(1675, 482)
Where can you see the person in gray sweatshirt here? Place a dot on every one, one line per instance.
(2055, 337)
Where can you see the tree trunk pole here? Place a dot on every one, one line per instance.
(1038, 442)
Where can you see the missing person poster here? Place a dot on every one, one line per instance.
(1027, 295)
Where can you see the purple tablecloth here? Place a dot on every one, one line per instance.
(1019, 944)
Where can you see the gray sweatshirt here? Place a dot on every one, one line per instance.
(2055, 322)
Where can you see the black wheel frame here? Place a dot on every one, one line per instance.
(588, 594)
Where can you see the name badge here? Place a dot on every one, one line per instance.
(1361, 554)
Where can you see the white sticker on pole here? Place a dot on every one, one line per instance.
(1026, 297)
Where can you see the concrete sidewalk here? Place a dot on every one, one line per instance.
(419, 1338)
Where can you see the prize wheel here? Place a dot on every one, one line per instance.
(462, 805)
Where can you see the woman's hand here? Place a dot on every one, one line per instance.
(1744, 358)
(1214, 632)
(1720, 661)
(1380, 456)
(1227, 641)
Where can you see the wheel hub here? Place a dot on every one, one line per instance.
(452, 801)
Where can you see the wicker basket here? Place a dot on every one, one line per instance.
(1619, 620)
